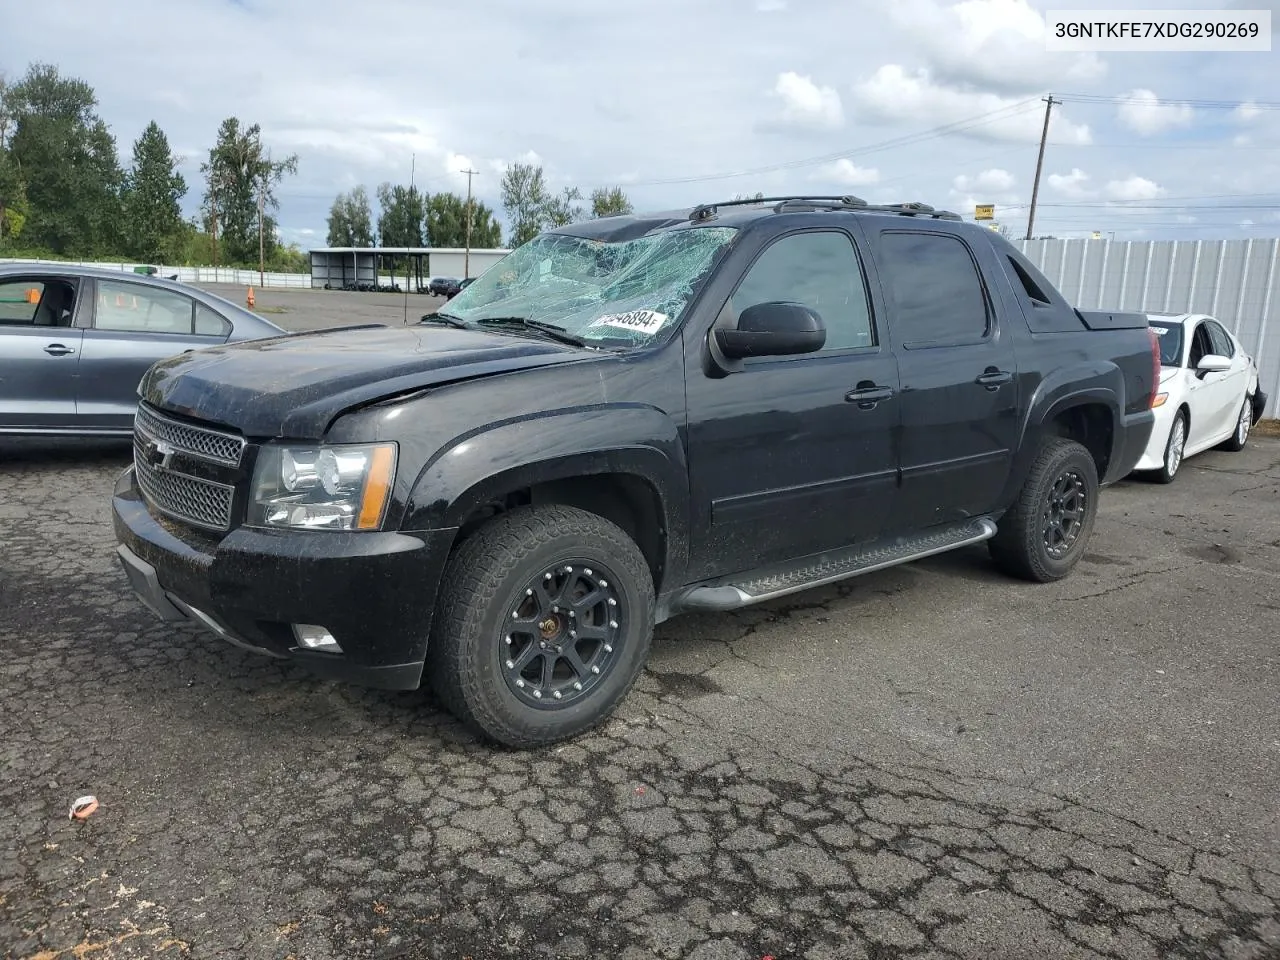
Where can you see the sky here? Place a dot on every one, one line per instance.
(689, 101)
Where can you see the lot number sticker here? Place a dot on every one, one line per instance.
(641, 321)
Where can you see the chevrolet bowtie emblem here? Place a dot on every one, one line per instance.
(160, 454)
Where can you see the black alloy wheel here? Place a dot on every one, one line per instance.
(562, 638)
(1064, 514)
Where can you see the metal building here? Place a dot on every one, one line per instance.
(336, 267)
(1233, 280)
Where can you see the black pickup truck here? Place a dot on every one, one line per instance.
(621, 421)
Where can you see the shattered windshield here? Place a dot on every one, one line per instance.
(625, 293)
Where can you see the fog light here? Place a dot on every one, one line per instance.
(316, 638)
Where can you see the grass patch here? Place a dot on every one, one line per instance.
(270, 309)
(1267, 427)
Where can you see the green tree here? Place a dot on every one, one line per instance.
(351, 220)
(153, 189)
(531, 207)
(486, 232)
(240, 181)
(563, 209)
(446, 223)
(403, 212)
(524, 197)
(65, 156)
(609, 202)
(13, 194)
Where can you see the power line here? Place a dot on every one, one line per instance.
(1172, 101)
(1005, 112)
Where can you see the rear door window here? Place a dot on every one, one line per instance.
(134, 308)
(938, 295)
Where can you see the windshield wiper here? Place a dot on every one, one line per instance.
(447, 318)
(550, 329)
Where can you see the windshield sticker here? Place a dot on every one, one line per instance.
(641, 321)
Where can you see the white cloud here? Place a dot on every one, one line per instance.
(1246, 112)
(807, 104)
(1071, 184)
(1134, 188)
(1144, 114)
(1241, 140)
(994, 180)
(894, 94)
(771, 6)
(992, 44)
(847, 174)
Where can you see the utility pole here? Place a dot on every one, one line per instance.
(261, 245)
(1035, 186)
(466, 261)
(213, 218)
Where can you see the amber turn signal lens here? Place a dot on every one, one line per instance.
(377, 487)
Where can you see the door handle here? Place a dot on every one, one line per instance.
(867, 395)
(58, 350)
(993, 379)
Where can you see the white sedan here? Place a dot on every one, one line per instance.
(1208, 394)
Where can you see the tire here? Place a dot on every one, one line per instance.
(1174, 449)
(512, 571)
(1244, 423)
(1063, 475)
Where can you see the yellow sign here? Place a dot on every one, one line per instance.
(984, 211)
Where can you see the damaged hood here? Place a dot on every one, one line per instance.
(294, 386)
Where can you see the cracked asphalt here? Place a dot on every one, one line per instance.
(930, 761)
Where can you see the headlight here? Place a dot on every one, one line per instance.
(340, 487)
(1159, 400)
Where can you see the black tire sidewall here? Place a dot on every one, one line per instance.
(494, 705)
(1076, 457)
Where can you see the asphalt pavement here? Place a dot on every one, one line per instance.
(932, 760)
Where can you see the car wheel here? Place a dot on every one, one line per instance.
(544, 622)
(1174, 449)
(1044, 534)
(1244, 423)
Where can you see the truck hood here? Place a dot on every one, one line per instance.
(296, 385)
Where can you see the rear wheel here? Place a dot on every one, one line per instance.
(1174, 449)
(544, 623)
(1047, 530)
(1243, 425)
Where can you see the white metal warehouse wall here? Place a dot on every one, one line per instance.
(1233, 280)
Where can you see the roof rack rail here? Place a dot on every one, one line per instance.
(915, 209)
(705, 210)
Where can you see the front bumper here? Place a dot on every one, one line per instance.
(1153, 456)
(375, 592)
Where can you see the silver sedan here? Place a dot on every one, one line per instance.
(75, 342)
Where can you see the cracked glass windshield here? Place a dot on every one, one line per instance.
(618, 294)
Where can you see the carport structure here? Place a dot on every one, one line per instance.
(337, 267)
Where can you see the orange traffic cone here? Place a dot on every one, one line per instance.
(249, 298)
(33, 295)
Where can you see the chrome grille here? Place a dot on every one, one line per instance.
(166, 487)
(212, 445)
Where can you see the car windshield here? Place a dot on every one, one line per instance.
(623, 294)
(1170, 335)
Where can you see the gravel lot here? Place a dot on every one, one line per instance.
(928, 761)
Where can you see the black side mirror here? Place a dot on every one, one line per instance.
(772, 330)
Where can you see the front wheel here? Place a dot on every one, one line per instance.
(544, 623)
(1045, 533)
(1245, 422)
(1174, 450)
